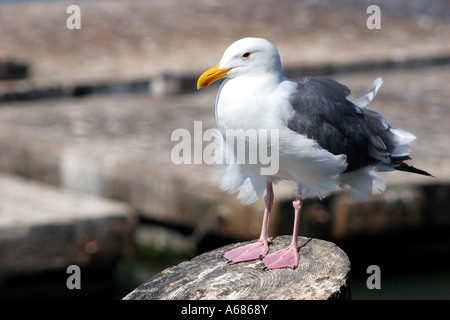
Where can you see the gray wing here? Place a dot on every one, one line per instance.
(323, 113)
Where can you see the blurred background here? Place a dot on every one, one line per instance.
(86, 117)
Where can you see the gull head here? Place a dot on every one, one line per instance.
(245, 57)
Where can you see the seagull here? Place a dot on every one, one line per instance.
(324, 140)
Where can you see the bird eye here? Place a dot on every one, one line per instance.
(246, 55)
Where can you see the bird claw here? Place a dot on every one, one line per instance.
(286, 258)
(253, 251)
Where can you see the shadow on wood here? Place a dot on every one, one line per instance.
(323, 273)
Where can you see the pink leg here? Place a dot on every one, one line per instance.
(258, 249)
(288, 257)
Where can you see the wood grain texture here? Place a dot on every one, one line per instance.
(323, 273)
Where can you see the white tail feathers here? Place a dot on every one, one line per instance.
(369, 94)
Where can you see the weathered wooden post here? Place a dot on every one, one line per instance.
(323, 273)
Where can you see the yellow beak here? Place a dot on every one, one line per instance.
(210, 76)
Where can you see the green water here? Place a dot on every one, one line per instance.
(435, 286)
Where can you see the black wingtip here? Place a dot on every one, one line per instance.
(407, 168)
